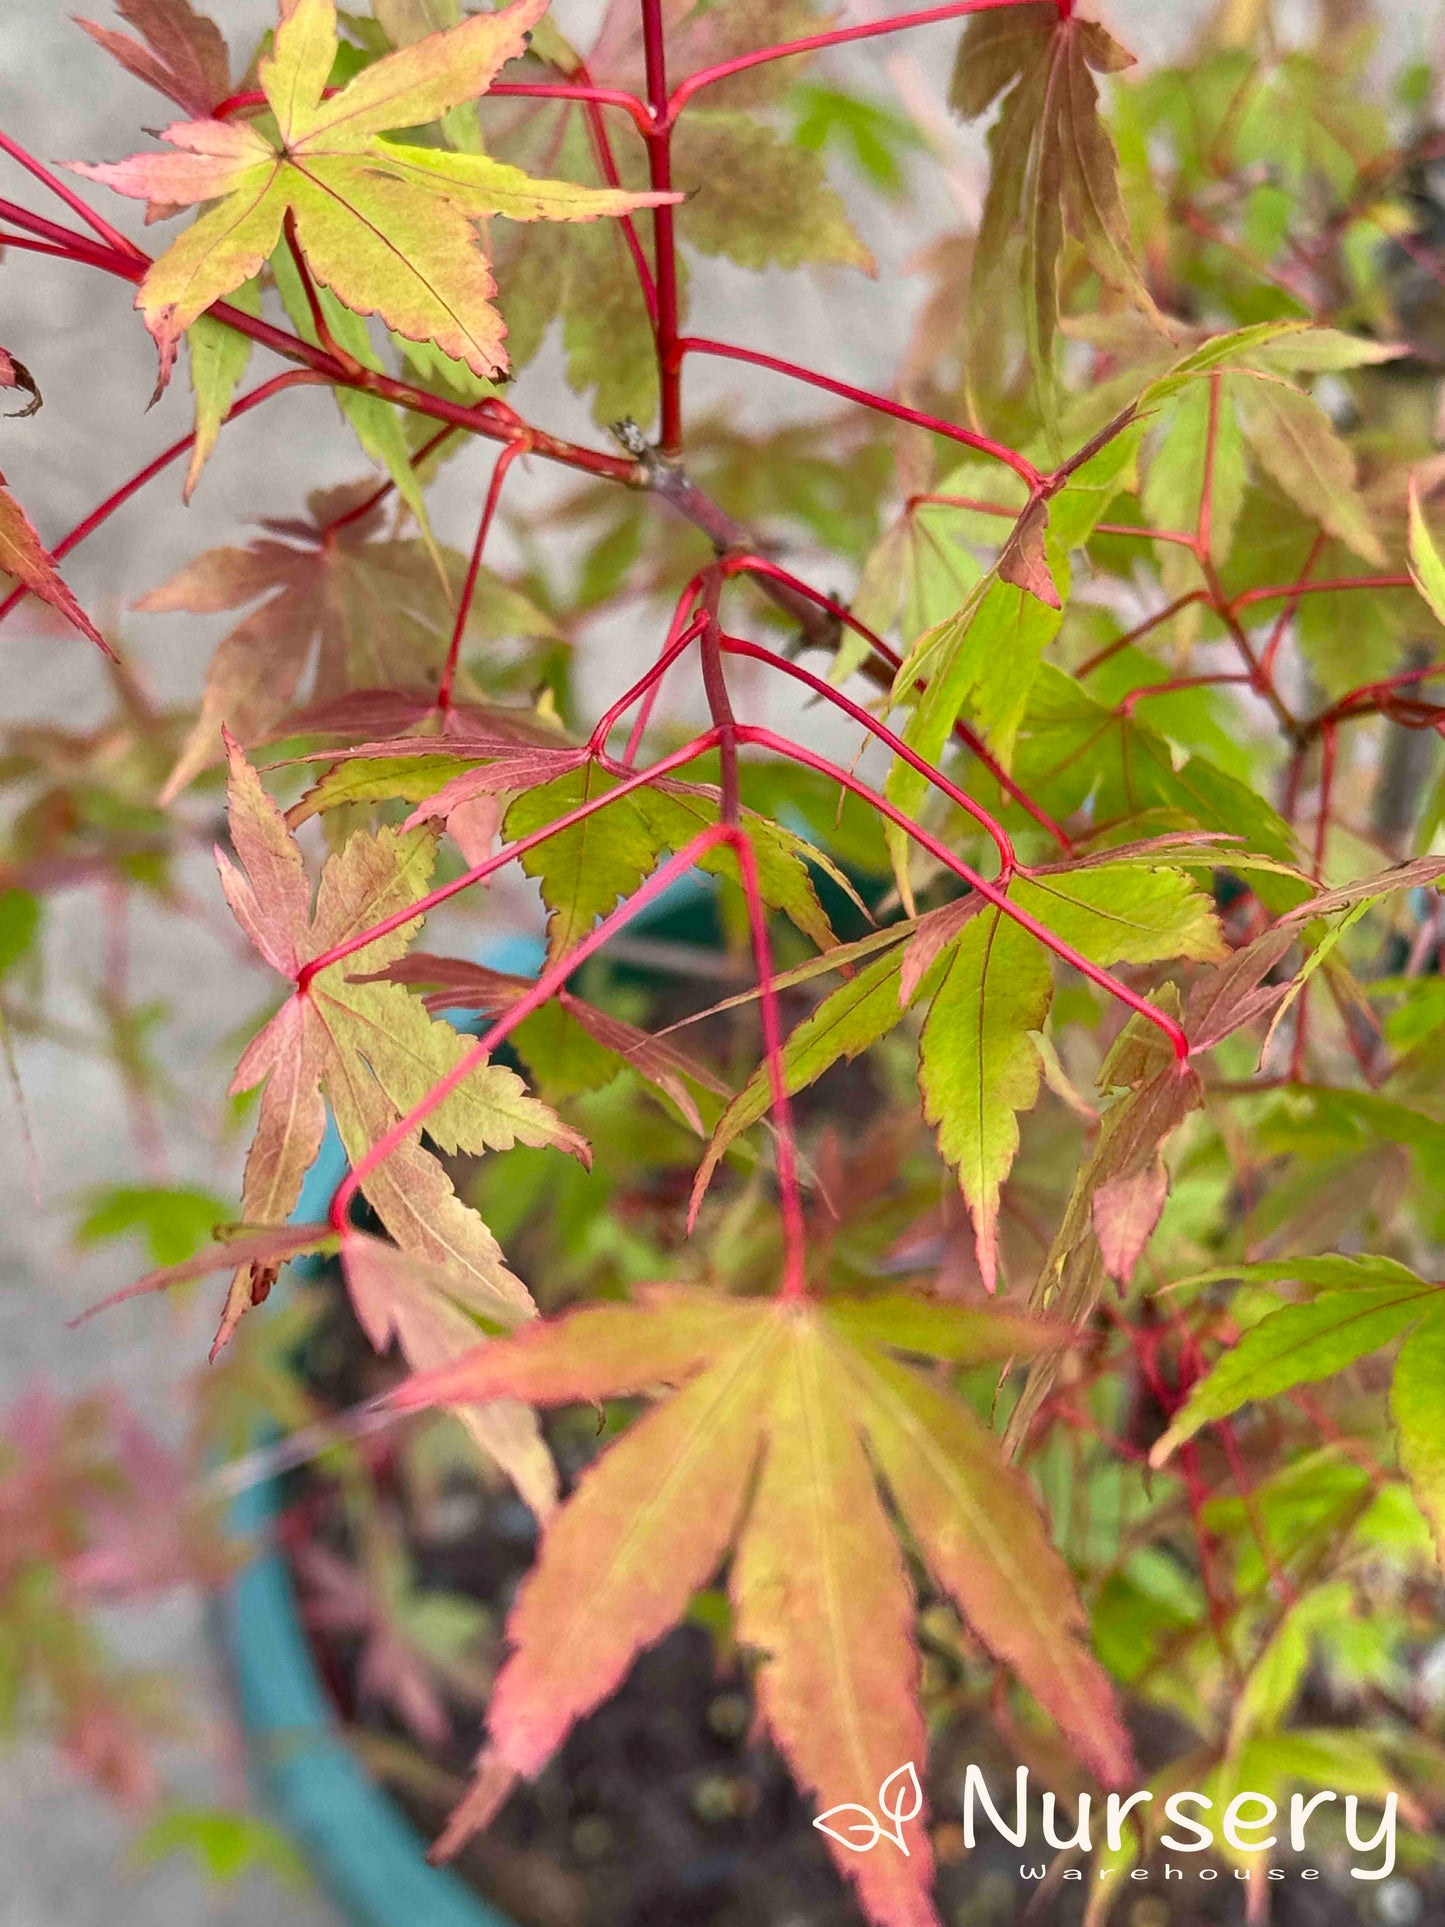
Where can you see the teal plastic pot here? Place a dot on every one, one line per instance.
(363, 1851)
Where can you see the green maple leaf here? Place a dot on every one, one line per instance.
(986, 655)
(787, 1423)
(978, 1065)
(1426, 567)
(585, 870)
(389, 228)
(219, 356)
(1366, 1303)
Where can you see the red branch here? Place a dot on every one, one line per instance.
(670, 350)
(760, 565)
(111, 236)
(1008, 860)
(469, 588)
(814, 43)
(985, 444)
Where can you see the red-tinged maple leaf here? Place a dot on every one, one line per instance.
(383, 715)
(1225, 1000)
(181, 53)
(336, 1598)
(437, 1314)
(391, 229)
(788, 1423)
(24, 556)
(374, 1053)
(457, 773)
(511, 770)
(14, 374)
(1119, 1192)
(362, 621)
(147, 1532)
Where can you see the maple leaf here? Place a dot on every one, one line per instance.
(1366, 1302)
(218, 358)
(389, 228)
(263, 1249)
(24, 556)
(181, 53)
(337, 1599)
(14, 374)
(987, 653)
(1298, 445)
(1118, 1193)
(1225, 1000)
(1053, 161)
(375, 1053)
(332, 607)
(1073, 748)
(474, 768)
(413, 1643)
(759, 199)
(435, 1312)
(787, 1420)
(853, 1017)
(978, 1065)
(1427, 569)
(584, 870)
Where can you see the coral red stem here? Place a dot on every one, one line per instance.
(985, 444)
(1008, 860)
(1276, 592)
(760, 565)
(469, 588)
(790, 1195)
(112, 236)
(813, 43)
(670, 350)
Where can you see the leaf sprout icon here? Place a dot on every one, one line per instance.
(900, 1799)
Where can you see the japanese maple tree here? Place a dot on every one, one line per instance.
(1119, 895)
